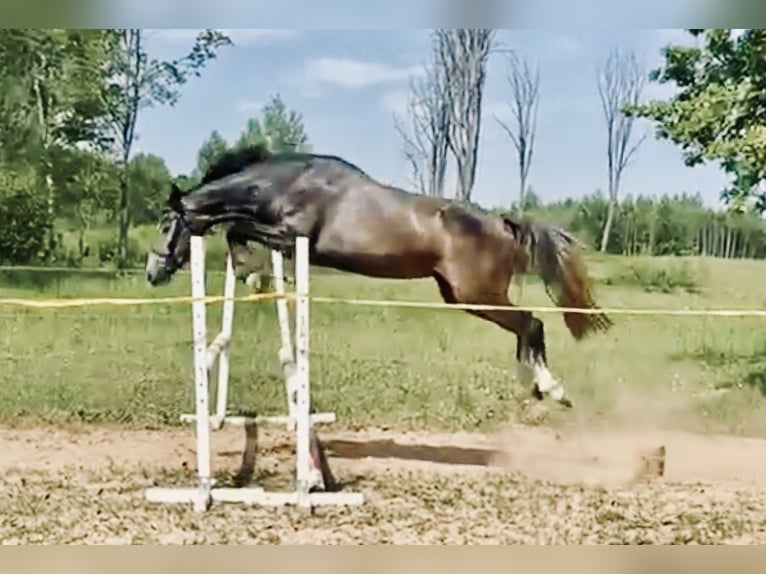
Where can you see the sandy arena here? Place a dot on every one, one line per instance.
(523, 485)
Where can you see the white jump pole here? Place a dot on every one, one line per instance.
(302, 399)
(219, 348)
(201, 500)
(286, 355)
(219, 351)
(300, 419)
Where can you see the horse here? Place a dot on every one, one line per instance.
(356, 224)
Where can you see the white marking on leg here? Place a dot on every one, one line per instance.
(316, 480)
(546, 382)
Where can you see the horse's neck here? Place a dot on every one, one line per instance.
(217, 204)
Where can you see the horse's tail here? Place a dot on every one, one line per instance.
(556, 256)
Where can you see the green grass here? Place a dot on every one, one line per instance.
(405, 368)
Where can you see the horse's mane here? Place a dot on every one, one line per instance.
(234, 160)
(237, 159)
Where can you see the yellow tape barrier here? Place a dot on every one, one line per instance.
(608, 311)
(117, 302)
(63, 303)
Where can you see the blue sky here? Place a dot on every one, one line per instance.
(348, 83)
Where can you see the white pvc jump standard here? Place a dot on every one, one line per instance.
(219, 350)
(297, 386)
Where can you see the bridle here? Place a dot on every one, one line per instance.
(167, 256)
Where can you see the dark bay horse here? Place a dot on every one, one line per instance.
(358, 225)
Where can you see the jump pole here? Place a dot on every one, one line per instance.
(218, 351)
(297, 387)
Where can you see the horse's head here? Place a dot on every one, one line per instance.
(172, 250)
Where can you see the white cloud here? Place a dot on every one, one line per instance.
(240, 36)
(355, 74)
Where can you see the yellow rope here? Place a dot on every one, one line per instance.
(69, 303)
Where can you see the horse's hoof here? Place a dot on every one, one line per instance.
(317, 487)
(566, 402)
(537, 393)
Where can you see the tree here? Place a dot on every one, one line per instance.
(524, 81)
(425, 130)
(718, 113)
(23, 215)
(136, 81)
(620, 83)
(87, 185)
(51, 91)
(149, 179)
(281, 129)
(462, 56)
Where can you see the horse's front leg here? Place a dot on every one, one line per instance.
(239, 252)
(242, 259)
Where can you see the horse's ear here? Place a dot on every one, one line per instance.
(176, 196)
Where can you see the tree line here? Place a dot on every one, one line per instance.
(644, 226)
(70, 101)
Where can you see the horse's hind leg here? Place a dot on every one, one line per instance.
(531, 356)
(533, 363)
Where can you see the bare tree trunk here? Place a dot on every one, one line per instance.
(626, 237)
(652, 230)
(634, 246)
(607, 225)
(718, 241)
(132, 93)
(524, 83)
(729, 241)
(426, 136)
(462, 59)
(43, 111)
(620, 83)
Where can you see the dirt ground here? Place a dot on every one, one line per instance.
(521, 485)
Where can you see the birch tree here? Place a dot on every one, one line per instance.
(523, 78)
(620, 84)
(462, 56)
(425, 130)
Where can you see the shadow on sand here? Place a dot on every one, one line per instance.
(391, 449)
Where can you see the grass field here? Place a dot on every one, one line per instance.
(405, 368)
(88, 397)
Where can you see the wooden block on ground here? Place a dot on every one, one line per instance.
(651, 463)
